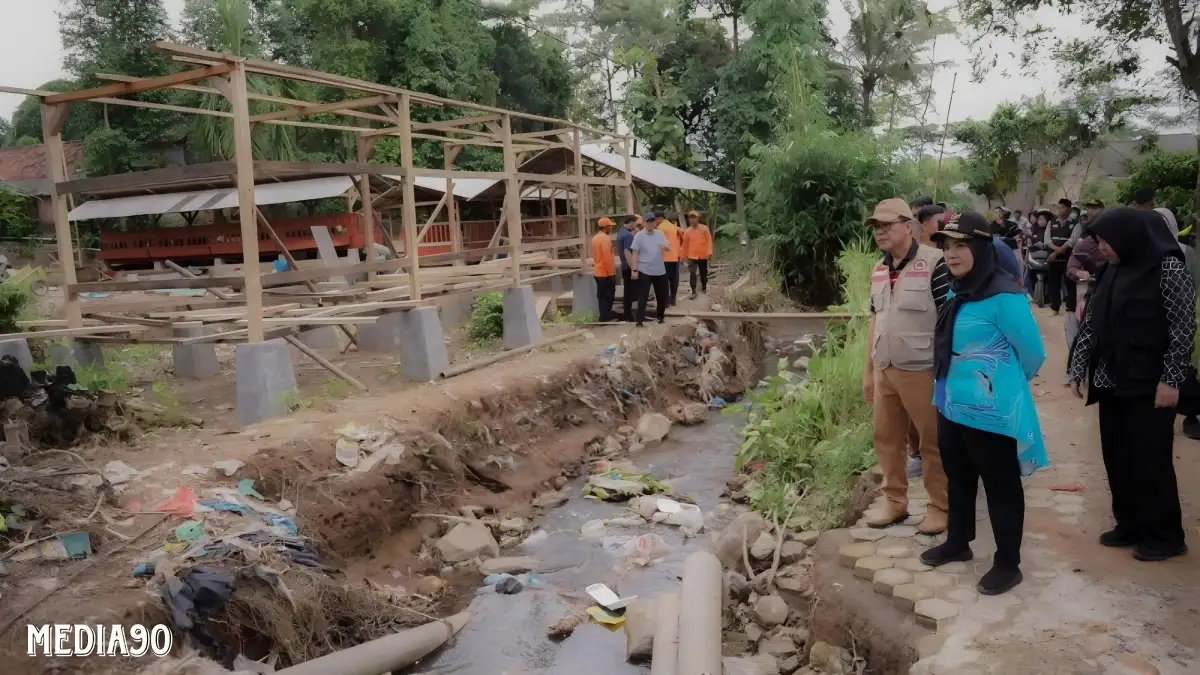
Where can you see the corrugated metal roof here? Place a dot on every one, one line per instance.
(207, 200)
(652, 172)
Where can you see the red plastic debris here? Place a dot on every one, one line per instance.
(1078, 489)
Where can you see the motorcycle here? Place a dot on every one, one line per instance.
(1037, 262)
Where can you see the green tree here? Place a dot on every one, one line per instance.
(16, 215)
(534, 75)
(1173, 176)
(27, 119)
(110, 151)
(5, 133)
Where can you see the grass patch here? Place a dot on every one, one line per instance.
(486, 324)
(813, 437)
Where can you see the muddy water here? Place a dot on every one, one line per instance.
(507, 633)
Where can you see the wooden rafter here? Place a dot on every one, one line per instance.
(147, 84)
(315, 109)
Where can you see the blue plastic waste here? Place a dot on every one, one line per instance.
(718, 402)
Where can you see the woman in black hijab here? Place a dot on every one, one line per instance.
(1133, 351)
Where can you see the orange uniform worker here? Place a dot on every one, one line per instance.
(604, 269)
(671, 256)
(697, 249)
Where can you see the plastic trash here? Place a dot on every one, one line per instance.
(509, 586)
(611, 349)
(604, 596)
(228, 466)
(645, 550)
(246, 487)
(182, 502)
(689, 518)
(493, 579)
(605, 618)
(191, 530)
(718, 402)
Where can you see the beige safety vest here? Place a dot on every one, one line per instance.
(905, 316)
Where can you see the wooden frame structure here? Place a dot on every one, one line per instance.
(289, 300)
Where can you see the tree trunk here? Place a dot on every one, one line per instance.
(735, 34)
(868, 92)
(739, 197)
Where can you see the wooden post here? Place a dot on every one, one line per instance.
(243, 151)
(580, 207)
(408, 211)
(449, 152)
(53, 117)
(630, 206)
(553, 219)
(365, 146)
(512, 198)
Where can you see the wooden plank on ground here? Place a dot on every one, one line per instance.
(542, 303)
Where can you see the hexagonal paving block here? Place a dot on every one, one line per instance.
(933, 580)
(865, 568)
(959, 595)
(955, 568)
(867, 534)
(903, 531)
(917, 508)
(850, 553)
(914, 519)
(887, 579)
(894, 551)
(913, 565)
(906, 596)
(935, 613)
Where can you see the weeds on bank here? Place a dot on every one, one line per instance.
(813, 437)
(486, 323)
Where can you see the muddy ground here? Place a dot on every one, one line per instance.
(493, 438)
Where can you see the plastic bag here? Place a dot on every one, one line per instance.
(689, 518)
(645, 550)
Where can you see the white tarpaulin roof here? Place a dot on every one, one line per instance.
(469, 188)
(207, 200)
(652, 172)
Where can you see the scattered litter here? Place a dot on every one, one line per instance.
(282, 524)
(644, 550)
(689, 518)
(493, 579)
(191, 530)
(346, 452)
(566, 625)
(1077, 489)
(118, 472)
(389, 454)
(67, 546)
(195, 596)
(143, 569)
(610, 350)
(509, 586)
(718, 402)
(285, 505)
(353, 432)
(181, 503)
(506, 462)
(605, 618)
(668, 505)
(195, 470)
(228, 466)
(605, 597)
(245, 486)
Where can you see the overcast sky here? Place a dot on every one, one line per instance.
(30, 54)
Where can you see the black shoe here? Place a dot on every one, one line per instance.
(1118, 538)
(946, 553)
(999, 580)
(1158, 552)
(1191, 428)
(639, 325)
(662, 320)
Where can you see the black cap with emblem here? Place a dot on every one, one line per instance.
(965, 225)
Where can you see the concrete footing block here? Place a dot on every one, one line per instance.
(77, 354)
(198, 361)
(584, 303)
(422, 347)
(321, 337)
(522, 326)
(381, 336)
(18, 348)
(266, 381)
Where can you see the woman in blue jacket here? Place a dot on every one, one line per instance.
(987, 348)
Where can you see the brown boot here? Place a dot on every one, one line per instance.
(934, 522)
(888, 515)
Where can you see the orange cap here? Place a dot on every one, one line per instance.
(604, 222)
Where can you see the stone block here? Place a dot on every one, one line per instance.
(17, 348)
(522, 325)
(913, 565)
(265, 380)
(849, 554)
(906, 596)
(894, 551)
(321, 337)
(422, 345)
(197, 361)
(959, 595)
(381, 336)
(807, 538)
(867, 534)
(935, 613)
(902, 531)
(933, 580)
(865, 568)
(584, 303)
(886, 580)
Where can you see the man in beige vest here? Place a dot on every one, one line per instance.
(908, 286)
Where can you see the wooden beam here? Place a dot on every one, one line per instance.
(630, 204)
(317, 108)
(449, 154)
(408, 211)
(75, 332)
(56, 172)
(540, 134)
(461, 121)
(247, 210)
(363, 148)
(147, 84)
(325, 363)
(564, 179)
(129, 181)
(512, 197)
(117, 319)
(429, 222)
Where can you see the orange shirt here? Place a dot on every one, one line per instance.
(602, 253)
(697, 242)
(671, 230)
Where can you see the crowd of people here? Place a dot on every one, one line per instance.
(954, 345)
(650, 249)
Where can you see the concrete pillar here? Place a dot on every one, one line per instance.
(266, 383)
(77, 354)
(700, 615)
(422, 347)
(19, 349)
(218, 261)
(321, 337)
(584, 303)
(381, 336)
(454, 309)
(198, 361)
(522, 326)
(556, 285)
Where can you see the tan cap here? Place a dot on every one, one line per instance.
(890, 211)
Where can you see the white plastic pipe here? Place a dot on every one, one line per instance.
(665, 657)
(385, 654)
(700, 616)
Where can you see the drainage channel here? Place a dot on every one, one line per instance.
(507, 633)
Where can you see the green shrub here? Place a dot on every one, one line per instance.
(814, 437)
(1173, 177)
(487, 318)
(14, 301)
